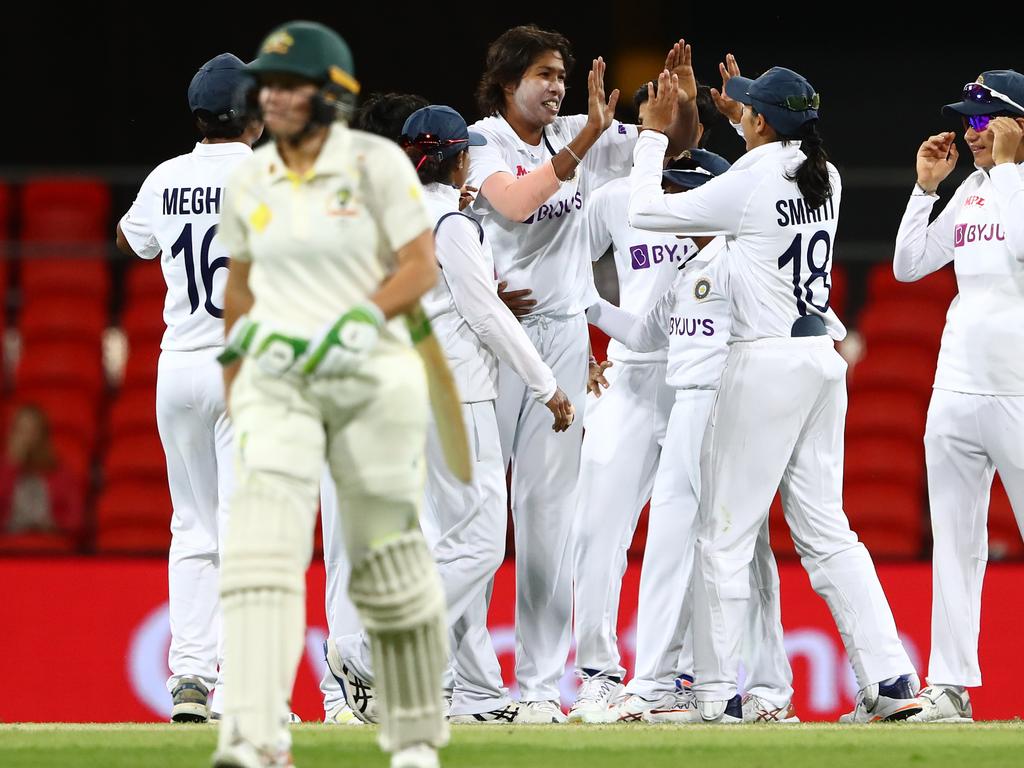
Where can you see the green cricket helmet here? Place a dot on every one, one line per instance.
(311, 50)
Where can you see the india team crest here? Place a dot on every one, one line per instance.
(701, 289)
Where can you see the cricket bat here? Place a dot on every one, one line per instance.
(444, 396)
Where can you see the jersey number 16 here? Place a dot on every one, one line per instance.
(207, 268)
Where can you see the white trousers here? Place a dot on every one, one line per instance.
(545, 468)
(196, 436)
(622, 444)
(967, 438)
(778, 424)
(664, 645)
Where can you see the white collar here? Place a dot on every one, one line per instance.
(444, 193)
(771, 149)
(222, 148)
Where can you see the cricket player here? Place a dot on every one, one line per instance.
(778, 419)
(692, 322)
(535, 176)
(331, 243)
(976, 417)
(175, 217)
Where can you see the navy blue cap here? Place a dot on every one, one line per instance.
(443, 128)
(695, 167)
(989, 93)
(215, 86)
(784, 97)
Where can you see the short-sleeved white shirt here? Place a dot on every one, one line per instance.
(323, 243)
(548, 252)
(175, 216)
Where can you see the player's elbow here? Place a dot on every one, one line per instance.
(122, 243)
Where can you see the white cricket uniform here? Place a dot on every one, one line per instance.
(175, 217)
(692, 320)
(465, 524)
(623, 431)
(778, 420)
(319, 244)
(976, 416)
(548, 253)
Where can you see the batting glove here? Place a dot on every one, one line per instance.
(343, 345)
(273, 352)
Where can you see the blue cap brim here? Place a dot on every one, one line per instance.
(476, 139)
(686, 179)
(969, 108)
(738, 89)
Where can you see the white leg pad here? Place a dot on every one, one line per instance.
(398, 593)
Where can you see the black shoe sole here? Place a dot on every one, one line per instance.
(902, 715)
(189, 718)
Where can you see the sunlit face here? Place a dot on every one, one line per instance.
(539, 93)
(287, 104)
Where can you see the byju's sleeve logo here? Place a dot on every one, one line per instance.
(958, 235)
(641, 257)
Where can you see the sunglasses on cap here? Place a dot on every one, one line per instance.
(983, 94)
(801, 103)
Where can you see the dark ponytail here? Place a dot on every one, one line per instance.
(431, 165)
(812, 175)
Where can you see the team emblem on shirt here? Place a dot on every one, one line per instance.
(701, 289)
(341, 203)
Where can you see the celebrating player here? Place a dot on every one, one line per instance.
(175, 216)
(778, 419)
(330, 242)
(535, 177)
(976, 416)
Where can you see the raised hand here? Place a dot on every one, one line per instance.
(731, 108)
(679, 61)
(1006, 137)
(936, 158)
(600, 112)
(662, 106)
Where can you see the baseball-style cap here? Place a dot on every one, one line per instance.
(784, 97)
(998, 90)
(215, 86)
(439, 129)
(695, 167)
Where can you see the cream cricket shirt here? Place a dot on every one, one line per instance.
(322, 243)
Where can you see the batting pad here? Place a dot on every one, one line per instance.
(263, 601)
(398, 593)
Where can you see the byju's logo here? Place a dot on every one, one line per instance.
(965, 234)
(640, 256)
(958, 235)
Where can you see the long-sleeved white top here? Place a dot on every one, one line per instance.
(981, 231)
(646, 263)
(473, 326)
(692, 318)
(780, 251)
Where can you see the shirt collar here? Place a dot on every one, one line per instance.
(222, 148)
(773, 149)
(443, 193)
(330, 162)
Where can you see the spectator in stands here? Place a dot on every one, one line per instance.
(37, 494)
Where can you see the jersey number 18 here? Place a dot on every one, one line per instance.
(803, 289)
(206, 268)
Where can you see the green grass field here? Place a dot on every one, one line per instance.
(613, 746)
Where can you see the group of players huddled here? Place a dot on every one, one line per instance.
(722, 386)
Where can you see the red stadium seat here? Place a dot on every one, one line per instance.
(896, 366)
(145, 279)
(68, 410)
(134, 412)
(1004, 536)
(143, 319)
(778, 529)
(897, 459)
(140, 368)
(63, 209)
(138, 457)
(37, 544)
(598, 342)
(883, 412)
(62, 364)
(840, 290)
(887, 516)
(134, 516)
(64, 318)
(911, 321)
(58, 276)
(74, 453)
(939, 287)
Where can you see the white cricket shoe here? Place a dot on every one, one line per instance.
(242, 754)
(596, 699)
(506, 715)
(542, 712)
(757, 710)
(944, 704)
(341, 715)
(634, 707)
(358, 692)
(877, 702)
(416, 756)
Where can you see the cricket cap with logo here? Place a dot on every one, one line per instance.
(783, 96)
(215, 86)
(440, 130)
(996, 91)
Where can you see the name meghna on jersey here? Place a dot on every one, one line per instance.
(795, 211)
(191, 201)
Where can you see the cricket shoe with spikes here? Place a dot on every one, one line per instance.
(886, 701)
(634, 707)
(682, 707)
(543, 712)
(596, 699)
(758, 710)
(359, 694)
(189, 701)
(506, 715)
(944, 704)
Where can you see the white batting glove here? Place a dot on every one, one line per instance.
(339, 348)
(273, 352)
